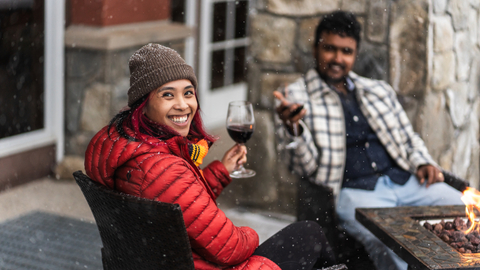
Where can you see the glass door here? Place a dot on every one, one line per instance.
(222, 60)
(31, 75)
(22, 55)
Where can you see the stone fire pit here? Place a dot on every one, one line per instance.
(400, 229)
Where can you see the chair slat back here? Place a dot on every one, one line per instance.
(137, 233)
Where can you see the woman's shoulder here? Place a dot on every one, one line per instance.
(109, 151)
(158, 158)
(157, 170)
(114, 139)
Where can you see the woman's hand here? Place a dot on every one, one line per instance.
(235, 156)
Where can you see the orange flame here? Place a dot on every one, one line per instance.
(471, 199)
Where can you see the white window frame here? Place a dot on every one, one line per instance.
(191, 21)
(214, 104)
(53, 131)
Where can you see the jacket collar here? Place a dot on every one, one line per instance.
(172, 145)
(359, 83)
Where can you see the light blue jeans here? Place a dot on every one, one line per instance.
(389, 194)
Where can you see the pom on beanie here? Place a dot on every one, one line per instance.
(154, 65)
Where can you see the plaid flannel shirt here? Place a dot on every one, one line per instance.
(321, 153)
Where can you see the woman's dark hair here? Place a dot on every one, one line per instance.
(144, 128)
(341, 23)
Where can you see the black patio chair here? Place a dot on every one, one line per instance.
(137, 233)
(317, 203)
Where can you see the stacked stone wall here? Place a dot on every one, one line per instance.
(450, 115)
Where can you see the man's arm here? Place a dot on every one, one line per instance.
(426, 168)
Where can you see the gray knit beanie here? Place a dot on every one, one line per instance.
(154, 65)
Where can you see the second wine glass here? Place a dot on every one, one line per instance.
(240, 127)
(294, 143)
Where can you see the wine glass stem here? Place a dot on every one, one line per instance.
(241, 172)
(240, 168)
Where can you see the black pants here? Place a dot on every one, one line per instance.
(299, 246)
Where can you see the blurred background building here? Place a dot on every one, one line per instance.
(64, 74)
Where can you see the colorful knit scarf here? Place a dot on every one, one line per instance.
(198, 151)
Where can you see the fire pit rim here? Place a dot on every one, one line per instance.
(385, 223)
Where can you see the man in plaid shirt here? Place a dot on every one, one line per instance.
(355, 138)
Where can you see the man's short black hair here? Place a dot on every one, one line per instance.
(341, 23)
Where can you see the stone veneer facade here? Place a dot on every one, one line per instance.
(428, 50)
(451, 111)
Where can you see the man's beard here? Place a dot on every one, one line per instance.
(328, 79)
(332, 81)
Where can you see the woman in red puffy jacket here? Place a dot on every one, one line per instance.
(154, 149)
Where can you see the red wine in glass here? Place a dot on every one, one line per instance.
(240, 126)
(240, 133)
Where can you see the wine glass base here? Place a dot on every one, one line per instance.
(246, 173)
(291, 145)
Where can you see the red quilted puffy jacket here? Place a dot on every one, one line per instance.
(160, 173)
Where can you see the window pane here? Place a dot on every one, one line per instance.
(218, 61)
(178, 11)
(240, 67)
(219, 21)
(241, 19)
(21, 68)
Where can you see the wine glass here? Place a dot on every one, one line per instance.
(240, 126)
(294, 143)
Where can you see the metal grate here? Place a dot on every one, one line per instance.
(40, 240)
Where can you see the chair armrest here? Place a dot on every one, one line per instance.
(336, 267)
(455, 181)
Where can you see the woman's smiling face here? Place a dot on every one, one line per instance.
(173, 104)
